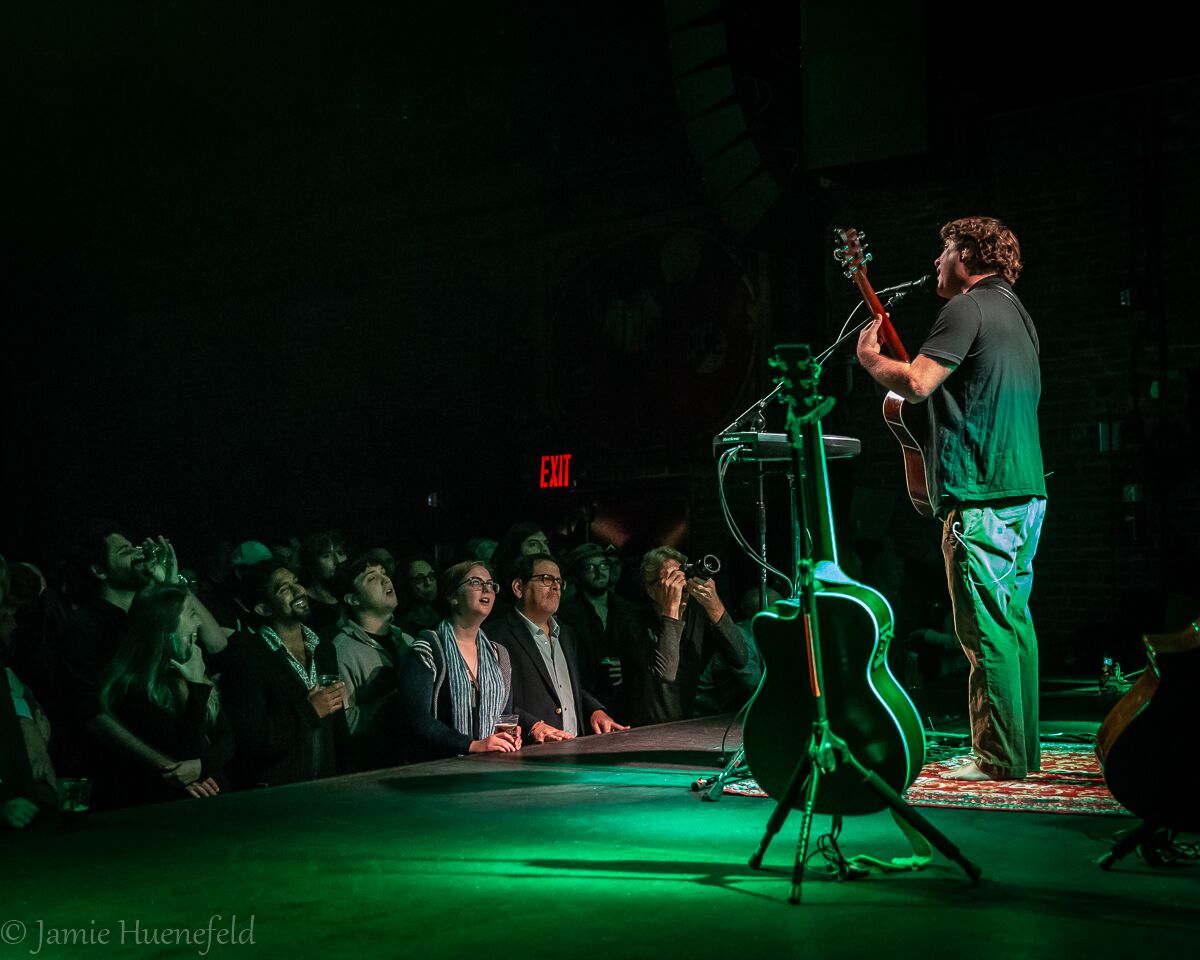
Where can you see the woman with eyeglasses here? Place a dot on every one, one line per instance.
(455, 683)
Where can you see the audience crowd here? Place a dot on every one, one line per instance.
(305, 659)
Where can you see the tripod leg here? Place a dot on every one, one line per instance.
(810, 801)
(728, 771)
(715, 788)
(781, 811)
(1126, 844)
(916, 821)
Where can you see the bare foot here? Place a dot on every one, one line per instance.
(970, 771)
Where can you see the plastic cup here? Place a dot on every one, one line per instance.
(507, 723)
(74, 801)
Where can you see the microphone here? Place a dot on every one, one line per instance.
(902, 290)
(921, 283)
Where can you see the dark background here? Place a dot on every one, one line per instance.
(273, 267)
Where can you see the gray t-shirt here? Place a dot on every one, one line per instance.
(983, 431)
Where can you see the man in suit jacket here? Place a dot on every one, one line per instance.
(285, 720)
(547, 691)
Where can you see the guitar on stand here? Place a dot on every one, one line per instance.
(909, 426)
(830, 731)
(762, 449)
(1144, 741)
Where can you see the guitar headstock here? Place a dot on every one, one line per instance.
(799, 380)
(850, 251)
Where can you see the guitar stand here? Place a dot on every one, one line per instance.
(1140, 836)
(825, 752)
(712, 788)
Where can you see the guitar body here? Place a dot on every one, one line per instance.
(910, 426)
(1144, 744)
(865, 704)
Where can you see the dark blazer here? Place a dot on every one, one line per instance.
(533, 694)
(661, 679)
(185, 735)
(594, 641)
(280, 738)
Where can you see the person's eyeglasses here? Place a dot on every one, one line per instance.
(547, 580)
(595, 567)
(478, 583)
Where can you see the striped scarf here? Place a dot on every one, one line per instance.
(492, 694)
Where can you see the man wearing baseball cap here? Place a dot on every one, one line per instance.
(604, 622)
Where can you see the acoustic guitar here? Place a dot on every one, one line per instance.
(1144, 745)
(907, 421)
(866, 707)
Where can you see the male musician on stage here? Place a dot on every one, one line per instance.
(978, 371)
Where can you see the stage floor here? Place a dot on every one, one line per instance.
(596, 848)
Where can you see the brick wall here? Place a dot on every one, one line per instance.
(1104, 197)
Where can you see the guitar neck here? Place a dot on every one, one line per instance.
(809, 464)
(888, 337)
(800, 390)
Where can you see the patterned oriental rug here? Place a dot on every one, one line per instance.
(1069, 782)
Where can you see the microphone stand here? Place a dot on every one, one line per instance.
(712, 788)
(757, 425)
(898, 294)
(756, 408)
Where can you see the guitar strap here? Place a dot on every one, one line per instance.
(1025, 318)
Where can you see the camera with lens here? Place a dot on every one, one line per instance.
(703, 568)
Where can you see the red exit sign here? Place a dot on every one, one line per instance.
(555, 471)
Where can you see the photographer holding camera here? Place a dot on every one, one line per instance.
(684, 625)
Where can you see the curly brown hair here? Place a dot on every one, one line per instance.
(985, 245)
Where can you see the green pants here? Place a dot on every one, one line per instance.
(989, 550)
